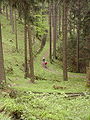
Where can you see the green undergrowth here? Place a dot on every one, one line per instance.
(45, 106)
(29, 106)
(53, 75)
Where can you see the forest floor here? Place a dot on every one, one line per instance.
(40, 101)
(50, 76)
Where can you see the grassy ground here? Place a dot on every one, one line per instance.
(54, 76)
(44, 106)
(15, 60)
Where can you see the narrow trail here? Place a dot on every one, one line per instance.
(46, 55)
(54, 71)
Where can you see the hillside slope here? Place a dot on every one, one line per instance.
(53, 74)
(39, 101)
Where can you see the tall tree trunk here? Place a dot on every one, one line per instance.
(50, 32)
(7, 12)
(54, 31)
(59, 20)
(74, 25)
(88, 76)
(78, 36)
(25, 43)
(11, 17)
(78, 39)
(31, 54)
(16, 32)
(0, 9)
(2, 70)
(43, 7)
(65, 76)
(70, 24)
(88, 48)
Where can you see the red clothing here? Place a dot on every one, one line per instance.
(45, 63)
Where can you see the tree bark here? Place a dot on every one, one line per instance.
(88, 76)
(16, 32)
(74, 25)
(50, 32)
(78, 36)
(59, 20)
(25, 44)
(11, 17)
(70, 24)
(7, 12)
(31, 54)
(2, 70)
(54, 31)
(65, 75)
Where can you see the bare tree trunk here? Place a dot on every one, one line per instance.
(25, 43)
(50, 32)
(70, 24)
(43, 7)
(88, 48)
(65, 76)
(74, 25)
(78, 36)
(88, 76)
(78, 39)
(11, 17)
(31, 55)
(16, 32)
(59, 20)
(54, 31)
(7, 12)
(0, 9)
(2, 70)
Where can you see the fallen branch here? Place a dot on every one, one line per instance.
(67, 94)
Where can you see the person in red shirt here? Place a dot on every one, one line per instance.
(44, 63)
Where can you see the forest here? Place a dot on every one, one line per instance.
(44, 59)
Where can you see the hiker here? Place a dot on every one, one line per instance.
(44, 63)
